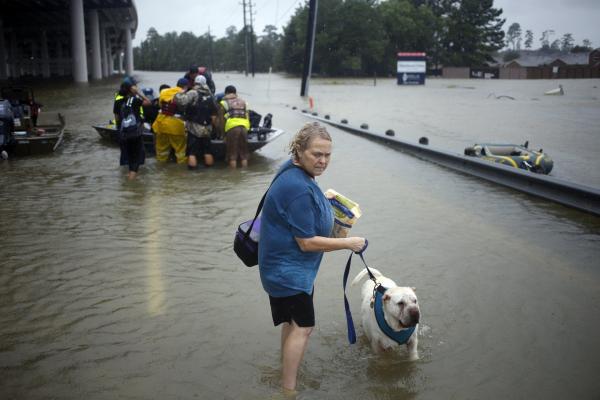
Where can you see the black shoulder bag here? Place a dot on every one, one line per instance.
(245, 243)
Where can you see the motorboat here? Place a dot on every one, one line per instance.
(20, 134)
(517, 156)
(258, 137)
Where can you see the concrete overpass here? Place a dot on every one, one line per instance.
(79, 38)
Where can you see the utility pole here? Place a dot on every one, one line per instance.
(252, 39)
(210, 51)
(310, 46)
(245, 36)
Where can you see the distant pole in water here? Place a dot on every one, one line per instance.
(245, 36)
(253, 64)
(210, 51)
(310, 46)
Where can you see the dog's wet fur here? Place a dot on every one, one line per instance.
(400, 309)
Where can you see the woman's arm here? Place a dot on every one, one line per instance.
(321, 243)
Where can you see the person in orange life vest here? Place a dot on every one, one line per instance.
(237, 122)
(168, 126)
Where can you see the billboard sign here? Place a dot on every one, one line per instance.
(412, 68)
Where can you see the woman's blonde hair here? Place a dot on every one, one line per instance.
(308, 132)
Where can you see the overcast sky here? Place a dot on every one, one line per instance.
(579, 17)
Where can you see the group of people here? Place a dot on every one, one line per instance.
(184, 119)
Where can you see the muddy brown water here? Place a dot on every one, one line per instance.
(131, 290)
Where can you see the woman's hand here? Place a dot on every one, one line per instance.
(356, 243)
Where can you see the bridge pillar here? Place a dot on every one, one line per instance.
(128, 52)
(103, 50)
(107, 66)
(78, 53)
(32, 63)
(120, 61)
(45, 56)
(111, 63)
(95, 43)
(15, 56)
(60, 66)
(3, 64)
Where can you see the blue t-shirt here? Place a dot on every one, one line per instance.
(294, 207)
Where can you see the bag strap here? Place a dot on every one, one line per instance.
(262, 201)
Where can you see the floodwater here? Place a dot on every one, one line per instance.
(131, 290)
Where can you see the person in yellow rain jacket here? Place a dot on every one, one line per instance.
(237, 123)
(168, 127)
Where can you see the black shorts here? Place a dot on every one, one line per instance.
(298, 308)
(197, 146)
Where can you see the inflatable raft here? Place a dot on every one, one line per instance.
(518, 156)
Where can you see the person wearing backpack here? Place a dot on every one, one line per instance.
(200, 112)
(128, 117)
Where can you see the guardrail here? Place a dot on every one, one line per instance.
(573, 195)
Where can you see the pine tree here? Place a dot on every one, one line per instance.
(473, 32)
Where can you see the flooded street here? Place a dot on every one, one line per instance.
(131, 290)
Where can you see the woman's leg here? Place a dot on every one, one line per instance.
(294, 341)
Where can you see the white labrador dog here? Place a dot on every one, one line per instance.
(400, 309)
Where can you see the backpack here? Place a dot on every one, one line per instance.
(131, 126)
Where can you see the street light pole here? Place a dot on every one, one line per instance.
(310, 46)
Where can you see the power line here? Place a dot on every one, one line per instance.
(288, 10)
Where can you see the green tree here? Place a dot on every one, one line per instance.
(472, 32)
(528, 39)
(408, 26)
(545, 39)
(513, 36)
(567, 42)
(349, 39)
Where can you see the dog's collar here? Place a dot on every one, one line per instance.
(400, 337)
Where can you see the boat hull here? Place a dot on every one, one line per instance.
(256, 140)
(43, 140)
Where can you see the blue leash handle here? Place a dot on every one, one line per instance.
(349, 321)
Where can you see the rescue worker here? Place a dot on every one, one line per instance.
(195, 70)
(132, 150)
(199, 115)
(235, 113)
(127, 83)
(151, 111)
(191, 75)
(204, 71)
(168, 126)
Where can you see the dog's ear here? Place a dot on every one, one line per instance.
(386, 297)
(414, 289)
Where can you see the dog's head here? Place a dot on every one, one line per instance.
(401, 307)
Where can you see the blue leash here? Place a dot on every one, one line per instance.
(349, 321)
(400, 337)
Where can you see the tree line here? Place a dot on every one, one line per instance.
(516, 41)
(353, 37)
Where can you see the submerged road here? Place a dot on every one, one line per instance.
(117, 289)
